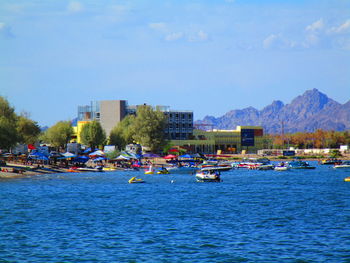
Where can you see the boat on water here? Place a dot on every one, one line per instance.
(347, 179)
(163, 171)
(208, 175)
(299, 164)
(150, 170)
(134, 180)
(344, 164)
(282, 167)
(331, 161)
(182, 169)
(88, 169)
(109, 169)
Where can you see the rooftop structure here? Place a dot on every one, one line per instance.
(110, 112)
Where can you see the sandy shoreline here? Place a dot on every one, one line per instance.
(29, 171)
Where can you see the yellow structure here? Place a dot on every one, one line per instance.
(246, 139)
(77, 129)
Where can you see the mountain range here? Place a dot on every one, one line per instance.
(306, 113)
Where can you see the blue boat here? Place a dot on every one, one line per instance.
(298, 164)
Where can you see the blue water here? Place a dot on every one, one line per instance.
(252, 216)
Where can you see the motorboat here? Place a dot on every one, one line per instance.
(150, 170)
(298, 164)
(282, 167)
(208, 175)
(88, 169)
(163, 171)
(265, 167)
(331, 161)
(344, 164)
(347, 179)
(182, 169)
(109, 169)
(134, 180)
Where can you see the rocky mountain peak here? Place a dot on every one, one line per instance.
(307, 112)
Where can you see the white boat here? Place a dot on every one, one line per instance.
(282, 167)
(182, 170)
(87, 169)
(208, 175)
(344, 164)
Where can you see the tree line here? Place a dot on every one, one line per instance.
(146, 128)
(307, 140)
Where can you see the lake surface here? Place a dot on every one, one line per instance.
(252, 216)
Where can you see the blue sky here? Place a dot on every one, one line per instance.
(207, 56)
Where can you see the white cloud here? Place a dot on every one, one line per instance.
(174, 36)
(274, 41)
(75, 7)
(343, 28)
(199, 36)
(316, 26)
(161, 27)
(268, 42)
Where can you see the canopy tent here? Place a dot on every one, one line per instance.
(122, 157)
(99, 159)
(198, 155)
(173, 150)
(81, 159)
(97, 153)
(38, 156)
(87, 150)
(68, 155)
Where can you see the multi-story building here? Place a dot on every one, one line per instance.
(247, 139)
(110, 112)
(107, 112)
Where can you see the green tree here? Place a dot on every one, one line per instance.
(28, 130)
(8, 122)
(122, 134)
(148, 127)
(92, 134)
(59, 134)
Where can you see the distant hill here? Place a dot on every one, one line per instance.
(311, 111)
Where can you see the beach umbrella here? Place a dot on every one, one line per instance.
(185, 156)
(170, 156)
(151, 155)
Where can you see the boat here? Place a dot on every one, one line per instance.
(87, 169)
(344, 164)
(282, 167)
(347, 179)
(298, 164)
(265, 167)
(163, 171)
(109, 169)
(134, 180)
(182, 169)
(150, 170)
(331, 161)
(221, 167)
(208, 175)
